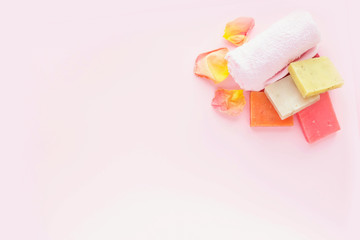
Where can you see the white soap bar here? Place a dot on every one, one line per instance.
(286, 98)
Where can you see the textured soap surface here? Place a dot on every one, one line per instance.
(286, 98)
(263, 114)
(318, 120)
(315, 76)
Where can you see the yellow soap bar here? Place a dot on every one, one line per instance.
(315, 76)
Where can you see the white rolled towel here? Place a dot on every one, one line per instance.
(264, 59)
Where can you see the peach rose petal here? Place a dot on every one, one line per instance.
(236, 30)
(231, 102)
(212, 65)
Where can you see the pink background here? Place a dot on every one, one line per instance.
(106, 133)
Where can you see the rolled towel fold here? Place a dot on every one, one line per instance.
(264, 59)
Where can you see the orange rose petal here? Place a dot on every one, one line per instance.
(236, 30)
(212, 65)
(231, 102)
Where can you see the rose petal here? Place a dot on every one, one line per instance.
(236, 30)
(231, 102)
(212, 65)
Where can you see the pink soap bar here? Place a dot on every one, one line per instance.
(319, 119)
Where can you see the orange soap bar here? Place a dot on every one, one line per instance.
(263, 114)
(319, 119)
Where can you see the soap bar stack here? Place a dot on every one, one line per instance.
(287, 46)
(303, 92)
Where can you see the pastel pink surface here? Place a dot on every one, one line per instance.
(318, 120)
(107, 134)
